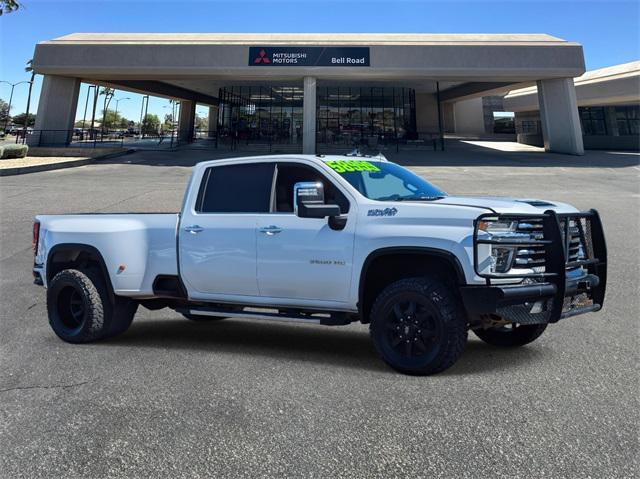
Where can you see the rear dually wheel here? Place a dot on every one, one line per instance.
(81, 309)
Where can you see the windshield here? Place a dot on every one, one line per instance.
(384, 181)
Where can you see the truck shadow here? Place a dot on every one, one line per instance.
(480, 358)
(347, 347)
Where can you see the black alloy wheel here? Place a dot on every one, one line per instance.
(417, 326)
(412, 327)
(71, 308)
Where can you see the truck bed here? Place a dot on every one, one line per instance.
(135, 247)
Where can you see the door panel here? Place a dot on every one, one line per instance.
(217, 237)
(306, 259)
(303, 258)
(220, 259)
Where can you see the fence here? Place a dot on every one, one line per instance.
(336, 143)
(77, 138)
(226, 140)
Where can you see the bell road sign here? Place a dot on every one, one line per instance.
(309, 56)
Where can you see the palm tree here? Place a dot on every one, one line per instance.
(108, 95)
(29, 69)
(8, 6)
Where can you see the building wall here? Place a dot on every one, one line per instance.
(604, 91)
(529, 132)
(469, 117)
(448, 118)
(528, 129)
(426, 113)
(491, 104)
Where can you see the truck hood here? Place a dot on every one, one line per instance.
(508, 205)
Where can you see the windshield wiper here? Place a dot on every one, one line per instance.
(397, 197)
(419, 198)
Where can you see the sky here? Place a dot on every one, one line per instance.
(608, 30)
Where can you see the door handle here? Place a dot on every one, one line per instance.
(270, 230)
(194, 229)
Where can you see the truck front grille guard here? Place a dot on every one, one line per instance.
(566, 241)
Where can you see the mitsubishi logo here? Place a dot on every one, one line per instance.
(262, 58)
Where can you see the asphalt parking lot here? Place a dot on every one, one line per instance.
(172, 398)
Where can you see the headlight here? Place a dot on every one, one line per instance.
(501, 256)
(496, 227)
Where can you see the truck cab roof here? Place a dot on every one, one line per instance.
(317, 159)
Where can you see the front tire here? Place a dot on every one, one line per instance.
(417, 326)
(511, 336)
(81, 310)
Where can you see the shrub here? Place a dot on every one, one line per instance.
(14, 151)
(1, 151)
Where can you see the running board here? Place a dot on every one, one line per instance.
(327, 319)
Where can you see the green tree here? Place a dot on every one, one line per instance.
(8, 6)
(124, 123)
(4, 111)
(150, 124)
(114, 120)
(168, 122)
(202, 123)
(20, 119)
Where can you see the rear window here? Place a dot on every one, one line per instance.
(236, 189)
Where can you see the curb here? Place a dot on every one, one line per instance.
(21, 170)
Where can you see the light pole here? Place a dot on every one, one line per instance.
(118, 100)
(13, 85)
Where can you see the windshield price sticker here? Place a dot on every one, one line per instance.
(351, 166)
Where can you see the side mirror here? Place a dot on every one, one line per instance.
(308, 200)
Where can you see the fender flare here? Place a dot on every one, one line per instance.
(81, 247)
(425, 251)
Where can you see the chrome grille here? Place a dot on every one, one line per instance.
(530, 256)
(534, 256)
(576, 243)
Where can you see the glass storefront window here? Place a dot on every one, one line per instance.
(261, 114)
(347, 116)
(592, 120)
(628, 120)
(352, 116)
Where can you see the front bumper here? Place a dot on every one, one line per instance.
(564, 287)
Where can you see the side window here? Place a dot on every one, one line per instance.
(244, 188)
(291, 173)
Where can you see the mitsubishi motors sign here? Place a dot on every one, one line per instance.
(309, 56)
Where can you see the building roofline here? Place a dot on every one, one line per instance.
(311, 39)
(605, 74)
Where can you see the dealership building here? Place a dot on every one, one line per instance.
(608, 106)
(317, 92)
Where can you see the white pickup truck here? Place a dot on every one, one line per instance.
(331, 240)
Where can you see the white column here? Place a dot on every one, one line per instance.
(56, 111)
(559, 116)
(309, 117)
(186, 120)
